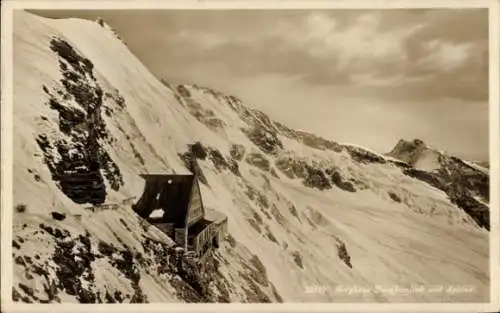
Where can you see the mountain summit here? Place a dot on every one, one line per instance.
(308, 219)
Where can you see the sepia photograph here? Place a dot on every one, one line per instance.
(249, 155)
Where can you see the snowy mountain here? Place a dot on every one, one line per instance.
(308, 219)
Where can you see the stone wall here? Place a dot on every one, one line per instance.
(181, 237)
(167, 228)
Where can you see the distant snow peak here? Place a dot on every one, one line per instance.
(408, 151)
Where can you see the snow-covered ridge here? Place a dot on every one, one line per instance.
(302, 211)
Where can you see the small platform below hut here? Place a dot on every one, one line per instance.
(173, 203)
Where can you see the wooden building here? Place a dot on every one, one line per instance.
(183, 216)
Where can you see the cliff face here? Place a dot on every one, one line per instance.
(302, 211)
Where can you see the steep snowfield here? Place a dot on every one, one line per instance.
(308, 219)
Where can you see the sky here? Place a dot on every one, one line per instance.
(369, 77)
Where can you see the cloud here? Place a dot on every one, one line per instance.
(422, 53)
(447, 56)
(364, 76)
(354, 46)
(383, 48)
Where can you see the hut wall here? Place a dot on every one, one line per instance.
(196, 211)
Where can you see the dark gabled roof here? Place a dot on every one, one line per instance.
(173, 193)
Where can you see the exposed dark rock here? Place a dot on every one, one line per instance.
(317, 218)
(137, 155)
(316, 178)
(237, 151)
(28, 260)
(273, 172)
(166, 83)
(28, 275)
(308, 139)
(234, 167)
(230, 239)
(203, 115)
(262, 200)
(266, 140)
(292, 168)
(20, 208)
(257, 217)
(277, 215)
(29, 291)
(258, 273)
(81, 159)
(125, 224)
(58, 216)
(271, 237)
(118, 296)
(343, 255)
(55, 232)
(100, 21)
(394, 197)
(15, 245)
(297, 259)
(191, 163)
(364, 156)
(462, 184)
(106, 249)
(182, 90)
(73, 257)
(293, 210)
(253, 223)
(195, 274)
(276, 294)
(199, 151)
(109, 297)
(254, 293)
(258, 160)
(217, 159)
(338, 181)
(408, 151)
(19, 260)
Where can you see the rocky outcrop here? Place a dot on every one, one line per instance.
(364, 156)
(77, 159)
(408, 151)
(258, 160)
(217, 159)
(198, 151)
(316, 178)
(265, 140)
(72, 270)
(313, 175)
(309, 139)
(203, 115)
(237, 151)
(339, 181)
(291, 167)
(190, 161)
(462, 183)
(343, 254)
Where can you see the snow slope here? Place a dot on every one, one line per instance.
(309, 219)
